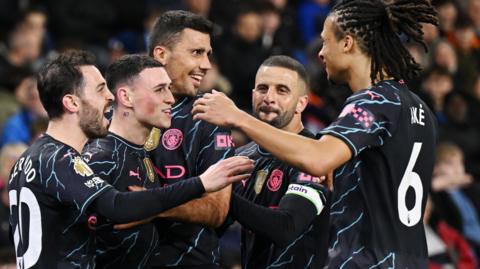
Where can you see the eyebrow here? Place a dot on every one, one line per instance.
(160, 85)
(101, 85)
(276, 85)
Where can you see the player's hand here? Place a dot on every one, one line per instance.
(225, 172)
(216, 108)
(133, 223)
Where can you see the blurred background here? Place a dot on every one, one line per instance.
(246, 33)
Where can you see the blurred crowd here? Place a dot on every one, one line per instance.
(246, 33)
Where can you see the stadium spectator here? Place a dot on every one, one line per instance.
(447, 248)
(30, 120)
(244, 47)
(454, 202)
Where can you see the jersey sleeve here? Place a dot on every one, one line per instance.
(216, 145)
(368, 119)
(72, 181)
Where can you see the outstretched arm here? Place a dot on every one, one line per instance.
(316, 157)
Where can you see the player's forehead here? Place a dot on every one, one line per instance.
(153, 76)
(91, 75)
(328, 26)
(92, 78)
(193, 39)
(275, 75)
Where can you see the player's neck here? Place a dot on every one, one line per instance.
(359, 74)
(128, 127)
(67, 131)
(294, 126)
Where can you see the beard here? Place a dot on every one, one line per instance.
(280, 121)
(91, 121)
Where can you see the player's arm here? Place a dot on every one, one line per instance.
(210, 210)
(297, 209)
(130, 206)
(368, 119)
(316, 157)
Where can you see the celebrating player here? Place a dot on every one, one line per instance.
(51, 189)
(181, 41)
(283, 210)
(142, 100)
(381, 145)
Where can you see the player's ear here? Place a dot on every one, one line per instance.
(161, 54)
(71, 103)
(301, 104)
(348, 43)
(124, 97)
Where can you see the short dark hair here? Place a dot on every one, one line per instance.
(127, 68)
(170, 24)
(62, 76)
(288, 63)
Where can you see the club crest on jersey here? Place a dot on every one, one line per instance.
(172, 139)
(81, 167)
(153, 139)
(149, 168)
(260, 178)
(275, 180)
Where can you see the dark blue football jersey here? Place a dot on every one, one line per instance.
(185, 150)
(122, 164)
(50, 189)
(270, 182)
(380, 194)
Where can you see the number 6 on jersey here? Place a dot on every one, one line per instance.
(410, 179)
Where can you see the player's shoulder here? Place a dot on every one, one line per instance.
(382, 93)
(97, 145)
(46, 148)
(247, 149)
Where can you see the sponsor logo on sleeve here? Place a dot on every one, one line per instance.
(94, 182)
(309, 193)
(172, 139)
(223, 141)
(306, 177)
(275, 181)
(81, 167)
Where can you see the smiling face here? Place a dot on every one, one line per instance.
(275, 99)
(151, 98)
(332, 53)
(95, 101)
(187, 61)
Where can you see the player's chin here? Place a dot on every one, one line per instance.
(163, 123)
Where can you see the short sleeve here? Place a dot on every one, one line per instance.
(72, 181)
(368, 119)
